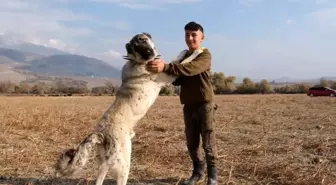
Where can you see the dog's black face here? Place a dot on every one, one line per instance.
(141, 48)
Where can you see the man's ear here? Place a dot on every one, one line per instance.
(129, 48)
(203, 37)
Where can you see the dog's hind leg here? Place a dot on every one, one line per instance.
(123, 174)
(103, 169)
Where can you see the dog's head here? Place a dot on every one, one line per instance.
(141, 48)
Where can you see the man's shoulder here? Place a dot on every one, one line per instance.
(206, 50)
(205, 53)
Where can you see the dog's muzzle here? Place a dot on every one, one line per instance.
(147, 54)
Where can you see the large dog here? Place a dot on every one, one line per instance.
(112, 137)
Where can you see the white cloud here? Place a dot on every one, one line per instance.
(325, 15)
(136, 6)
(112, 54)
(305, 53)
(324, 20)
(118, 25)
(55, 43)
(321, 1)
(306, 42)
(148, 1)
(34, 19)
(113, 57)
(15, 5)
(256, 2)
(290, 21)
(249, 2)
(41, 22)
(145, 4)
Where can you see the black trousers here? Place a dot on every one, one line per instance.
(199, 123)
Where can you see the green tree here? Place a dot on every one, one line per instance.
(7, 87)
(264, 87)
(60, 87)
(218, 82)
(333, 85)
(110, 88)
(247, 87)
(99, 90)
(24, 87)
(302, 88)
(293, 88)
(324, 82)
(40, 88)
(168, 90)
(222, 84)
(230, 85)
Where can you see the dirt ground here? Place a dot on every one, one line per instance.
(261, 139)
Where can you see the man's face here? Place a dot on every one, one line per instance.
(193, 39)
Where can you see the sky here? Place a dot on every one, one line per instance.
(260, 39)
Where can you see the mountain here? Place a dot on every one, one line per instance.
(71, 65)
(14, 56)
(38, 49)
(17, 65)
(12, 42)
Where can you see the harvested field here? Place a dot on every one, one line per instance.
(261, 139)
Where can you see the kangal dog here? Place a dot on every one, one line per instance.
(112, 137)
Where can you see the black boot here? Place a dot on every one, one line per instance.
(197, 174)
(212, 176)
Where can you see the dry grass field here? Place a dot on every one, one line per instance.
(261, 139)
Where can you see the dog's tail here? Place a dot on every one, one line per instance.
(73, 160)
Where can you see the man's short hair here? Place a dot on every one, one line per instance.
(193, 26)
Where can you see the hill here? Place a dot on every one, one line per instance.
(11, 42)
(17, 65)
(39, 49)
(71, 65)
(11, 56)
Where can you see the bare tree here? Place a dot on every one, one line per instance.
(110, 88)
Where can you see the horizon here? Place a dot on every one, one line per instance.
(259, 39)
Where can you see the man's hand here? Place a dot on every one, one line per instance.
(156, 65)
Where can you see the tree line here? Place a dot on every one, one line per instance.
(57, 88)
(221, 84)
(227, 85)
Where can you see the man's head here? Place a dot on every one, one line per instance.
(194, 35)
(141, 48)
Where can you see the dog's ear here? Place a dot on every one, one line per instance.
(129, 48)
(148, 35)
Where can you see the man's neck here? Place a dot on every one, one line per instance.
(192, 49)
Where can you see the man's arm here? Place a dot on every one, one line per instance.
(200, 64)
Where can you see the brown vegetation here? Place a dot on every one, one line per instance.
(262, 139)
(221, 85)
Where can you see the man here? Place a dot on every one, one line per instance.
(197, 96)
